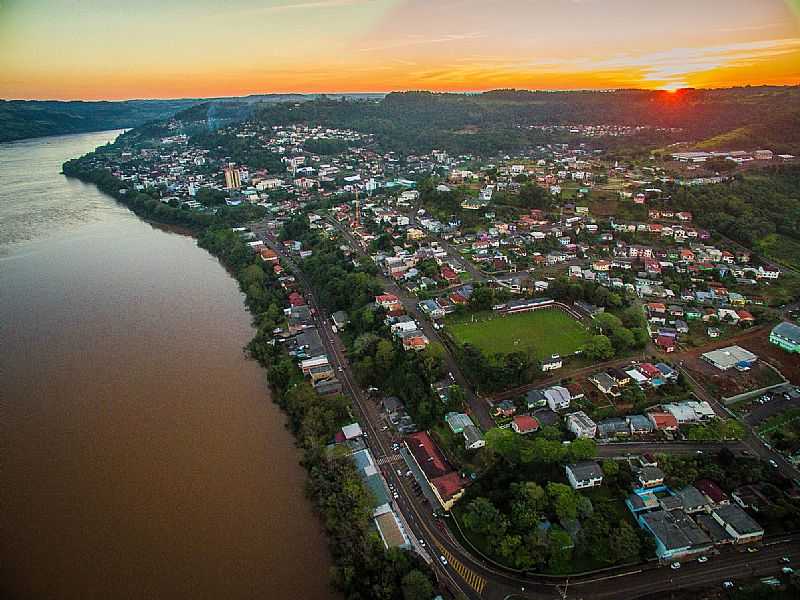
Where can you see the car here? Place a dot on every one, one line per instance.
(752, 550)
(773, 464)
(399, 473)
(785, 559)
(727, 584)
(787, 570)
(443, 559)
(385, 428)
(675, 566)
(698, 451)
(702, 559)
(395, 496)
(340, 369)
(421, 542)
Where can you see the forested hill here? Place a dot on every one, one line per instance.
(20, 119)
(498, 120)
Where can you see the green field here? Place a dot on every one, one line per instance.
(545, 332)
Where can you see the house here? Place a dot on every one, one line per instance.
(738, 524)
(458, 421)
(639, 424)
(619, 376)
(473, 438)
(414, 340)
(613, 427)
(506, 408)
(387, 301)
(351, 431)
(666, 343)
(692, 499)
(268, 255)
(449, 275)
(584, 474)
(581, 425)
(711, 491)
(340, 319)
(663, 421)
(535, 399)
(557, 397)
(605, 384)
(732, 356)
(552, 363)
(523, 424)
(649, 477)
(786, 335)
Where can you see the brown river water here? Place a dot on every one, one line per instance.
(140, 454)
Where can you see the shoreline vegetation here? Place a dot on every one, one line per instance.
(362, 568)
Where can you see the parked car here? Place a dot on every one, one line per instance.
(787, 570)
(675, 566)
(727, 584)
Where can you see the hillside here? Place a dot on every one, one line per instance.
(501, 120)
(21, 119)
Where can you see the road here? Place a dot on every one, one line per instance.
(474, 577)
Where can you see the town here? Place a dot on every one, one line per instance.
(555, 366)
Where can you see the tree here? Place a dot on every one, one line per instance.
(564, 500)
(624, 544)
(560, 549)
(483, 518)
(610, 468)
(598, 348)
(416, 586)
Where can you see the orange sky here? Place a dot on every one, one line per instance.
(114, 49)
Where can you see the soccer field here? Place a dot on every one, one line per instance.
(546, 332)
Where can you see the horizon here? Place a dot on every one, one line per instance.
(406, 91)
(108, 50)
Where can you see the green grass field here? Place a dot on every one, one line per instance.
(545, 332)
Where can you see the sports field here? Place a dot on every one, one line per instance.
(545, 332)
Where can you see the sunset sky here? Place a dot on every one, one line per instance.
(114, 49)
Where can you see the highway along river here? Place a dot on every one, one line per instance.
(141, 456)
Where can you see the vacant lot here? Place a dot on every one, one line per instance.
(544, 332)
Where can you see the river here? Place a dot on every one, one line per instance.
(141, 455)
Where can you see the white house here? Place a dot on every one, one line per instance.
(584, 475)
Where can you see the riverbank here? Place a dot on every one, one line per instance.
(362, 567)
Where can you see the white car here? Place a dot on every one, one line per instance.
(788, 570)
(443, 559)
(675, 566)
(727, 584)
(702, 559)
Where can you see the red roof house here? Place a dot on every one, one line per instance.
(524, 424)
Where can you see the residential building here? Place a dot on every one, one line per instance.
(584, 474)
(581, 425)
(473, 438)
(523, 424)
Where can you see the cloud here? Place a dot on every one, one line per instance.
(310, 4)
(417, 40)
